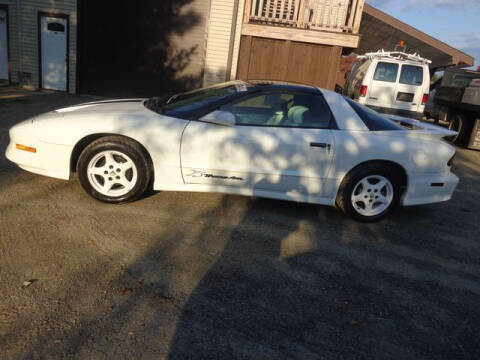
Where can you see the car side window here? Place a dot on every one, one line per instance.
(386, 72)
(281, 109)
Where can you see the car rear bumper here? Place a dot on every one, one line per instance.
(430, 189)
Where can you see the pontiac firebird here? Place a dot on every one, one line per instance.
(275, 140)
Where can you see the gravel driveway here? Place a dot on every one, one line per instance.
(210, 276)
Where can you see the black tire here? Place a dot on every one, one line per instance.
(350, 181)
(120, 145)
(459, 122)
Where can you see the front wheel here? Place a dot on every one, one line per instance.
(369, 193)
(114, 169)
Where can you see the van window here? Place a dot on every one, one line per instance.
(411, 75)
(386, 72)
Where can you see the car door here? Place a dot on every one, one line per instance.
(281, 142)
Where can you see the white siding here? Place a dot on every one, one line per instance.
(12, 38)
(194, 38)
(218, 44)
(23, 39)
(238, 35)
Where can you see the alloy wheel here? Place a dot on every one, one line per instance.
(372, 195)
(112, 173)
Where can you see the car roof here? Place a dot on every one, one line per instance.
(279, 85)
(246, 88)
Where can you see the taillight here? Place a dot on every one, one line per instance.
(450, 162)
(424, 99)
(363, 90)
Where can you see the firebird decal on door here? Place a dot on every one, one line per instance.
(199, 173)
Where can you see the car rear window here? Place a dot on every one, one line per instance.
(373, 120)
(386, 72)
(411, 75)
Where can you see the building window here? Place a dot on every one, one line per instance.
(57, 27)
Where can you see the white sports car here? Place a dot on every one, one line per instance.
(273, 140)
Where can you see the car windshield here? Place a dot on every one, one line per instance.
(371, 118)
(179, 104)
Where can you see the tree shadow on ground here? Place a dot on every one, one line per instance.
(345, 291)
(256, 278)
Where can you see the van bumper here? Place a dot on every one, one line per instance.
(399, 112)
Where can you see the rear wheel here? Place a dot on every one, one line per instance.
(114, 169)
(370, 192)
(459, 123)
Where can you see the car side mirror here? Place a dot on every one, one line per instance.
(219, 117)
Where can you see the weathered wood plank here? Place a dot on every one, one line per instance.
(244, 57)
(285, 60)
(310, 36)
(249, 11)
(358, 16)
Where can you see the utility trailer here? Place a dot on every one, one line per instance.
(456, 100)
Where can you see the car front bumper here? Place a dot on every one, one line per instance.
(49, 159)
(429, 189)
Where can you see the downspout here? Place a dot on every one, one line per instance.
(19, 41)
(233, 32)
(205, 51)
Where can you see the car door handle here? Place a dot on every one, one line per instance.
(320, 145)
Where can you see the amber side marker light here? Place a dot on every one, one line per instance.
(26, 148)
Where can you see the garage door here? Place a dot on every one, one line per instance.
(272, 59)
(142, 48)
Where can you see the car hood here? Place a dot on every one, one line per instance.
(98, 110)
(119, 105)
(64, 126)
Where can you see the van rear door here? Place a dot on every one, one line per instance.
(383, 88)
(410, 88)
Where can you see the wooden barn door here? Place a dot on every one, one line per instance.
(282, 60)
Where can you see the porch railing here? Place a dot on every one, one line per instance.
(325, 15)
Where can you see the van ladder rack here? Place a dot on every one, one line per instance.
(395, 55)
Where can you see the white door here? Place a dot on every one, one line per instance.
(410, 88)
(383, 88)
(280, 143)
(54, 34)
(3, 45)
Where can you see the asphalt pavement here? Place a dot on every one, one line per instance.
(211, 276)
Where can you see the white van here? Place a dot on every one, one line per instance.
(390, 82)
